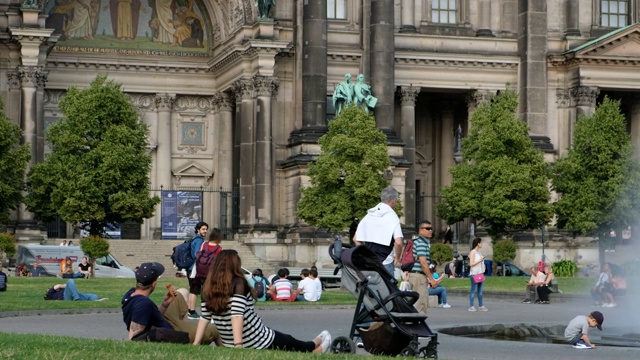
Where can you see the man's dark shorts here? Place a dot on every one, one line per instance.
(195, 285)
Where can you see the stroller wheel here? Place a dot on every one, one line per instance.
(408, 351)
(343, 344)
(428, 352)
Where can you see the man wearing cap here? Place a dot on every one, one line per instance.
(577, 331)
(140, 313)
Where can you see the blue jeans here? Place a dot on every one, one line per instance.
(475, 287)
(441, 292)
(300, 297)
(71, 293)
(78, 275)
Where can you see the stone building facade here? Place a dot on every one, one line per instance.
(237, 102)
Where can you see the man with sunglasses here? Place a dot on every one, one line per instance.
(420, 275)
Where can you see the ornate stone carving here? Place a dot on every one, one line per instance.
(143, 101)
(32, 76)
(563, 98)
(164, 102)
(54, 96)
(266, 85)
(222, 102)
(408, 95)
(584, 95)
(478, 97)
(199, 103)
(244, 89)
(14, 79)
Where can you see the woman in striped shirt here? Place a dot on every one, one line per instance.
(227, 302)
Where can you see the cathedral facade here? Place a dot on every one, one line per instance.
(237, 98)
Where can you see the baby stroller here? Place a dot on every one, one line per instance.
(385, 318)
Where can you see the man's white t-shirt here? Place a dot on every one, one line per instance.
(318, 285)
(308, 289)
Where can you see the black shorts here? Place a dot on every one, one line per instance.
(195, 285)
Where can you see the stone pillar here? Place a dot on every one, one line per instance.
(223, 104)
(39, 146)
(474, 99)
(314, 64)
(584, 98)
(571, 15)
(265, 88)
(408, 96)
(164, 106)
(566, 121)
(484, 17)
(634, 102)
(408, 17)
(446, 148)
(245, 105)
(532, 50)
(383, 64)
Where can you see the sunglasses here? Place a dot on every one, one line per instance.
(426, 228)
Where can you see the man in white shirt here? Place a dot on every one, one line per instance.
(313, 274)
(537, 279)
(306, 288)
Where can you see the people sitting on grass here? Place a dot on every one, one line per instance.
(546, 288)
(66, 268)
(531, 290)
(260, 284)
(36, 270)
(313, 274)
(69, 292)
(84, 269)
(140, 313)
(282, 288)
(307, 290)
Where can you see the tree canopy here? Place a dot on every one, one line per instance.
(98, 168)
(598, 181)
(347, 177)
(502, 181)
(13, 163)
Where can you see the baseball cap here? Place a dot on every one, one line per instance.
(598, 317)
(149, 272)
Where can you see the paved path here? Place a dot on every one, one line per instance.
(307, 322)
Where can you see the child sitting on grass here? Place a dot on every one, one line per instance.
(577, 331)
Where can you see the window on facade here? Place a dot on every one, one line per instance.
(336, 9)
(444, 11)
(614, 13)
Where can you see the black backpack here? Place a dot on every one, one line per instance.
(181, 256)
(259, 288)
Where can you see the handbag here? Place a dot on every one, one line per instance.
(477, 278)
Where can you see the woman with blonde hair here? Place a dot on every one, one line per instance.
(227, 302)
(545, 289)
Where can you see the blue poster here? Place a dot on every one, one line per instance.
(181, 211)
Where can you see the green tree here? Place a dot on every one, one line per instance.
(94, 247)
(98, 168)
(13, 163)
(7, 246)
(598, 181)
(347, 177)
(502, 182)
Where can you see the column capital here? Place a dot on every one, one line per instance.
(164, 102)
(585, 95)
(478, 97)
(32, 76)
(408, 95)
(30, 40)
(244, 89)
(14, 79)
(266, 85)
(222, 101)
(563, 98)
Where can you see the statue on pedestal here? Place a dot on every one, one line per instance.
(264, 8)
(362, 92)
(343, 94)
(30, 4)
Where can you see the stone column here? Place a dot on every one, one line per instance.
(383, 63)
(164, 106)
(484, 17)
(532, 50)
(634, 102)
(584, 98)
(314, 64)
(446, 148)
(39, 146)
(408, 96)
(566, 123)
(475, 99)
(223, 104)
(408, 17)
(571, 9)
(245, 105)
(265, 89)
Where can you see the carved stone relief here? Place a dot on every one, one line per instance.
(585, 96)
(198, 103)
(53, 96)
(266, 85)
(563, 98)
(143, 101)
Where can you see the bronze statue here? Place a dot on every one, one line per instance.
(362, 94)
(343, 94)
(264, 8)
(30, 4)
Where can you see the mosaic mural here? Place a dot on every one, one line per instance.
(172, 27)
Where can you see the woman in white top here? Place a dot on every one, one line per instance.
(476, 262)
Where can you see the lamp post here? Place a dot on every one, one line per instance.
(457, 158)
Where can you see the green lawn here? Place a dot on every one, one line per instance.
(27, 293)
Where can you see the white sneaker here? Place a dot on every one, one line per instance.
(472, 309)
(582, 345)
(482, 308)
(326, 340)
(359, 343)
(444, 306)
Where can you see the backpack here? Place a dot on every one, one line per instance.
(204, 258)
(181, 256)
(258, 286)
(407, 260)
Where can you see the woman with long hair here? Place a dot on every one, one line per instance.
(545, 289)
(227, 302)
(476, 264)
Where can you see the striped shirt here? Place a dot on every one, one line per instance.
(283, 288)
(255, 335)
(421, 247)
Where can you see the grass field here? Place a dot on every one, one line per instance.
(26, 294)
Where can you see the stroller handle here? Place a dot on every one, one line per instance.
(335, 251)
